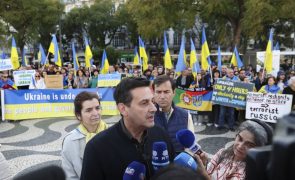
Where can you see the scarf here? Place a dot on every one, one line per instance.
(272, 89)
(101, 126)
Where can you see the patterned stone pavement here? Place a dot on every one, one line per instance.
(31, 144)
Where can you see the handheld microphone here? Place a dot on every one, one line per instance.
(185, 160)
(187, 139)
(160, 157)
(135, 171)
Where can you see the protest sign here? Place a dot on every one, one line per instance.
(268, 107)
(5, 64)
(45, 103)
(23, 77)
(193, 99)
(231, 93)
(54, 81)
(108, 80)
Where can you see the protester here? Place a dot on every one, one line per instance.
(184, 80)
(88, 112)
(131, 139)
(290, 89)
(282, 80)
(271, 86)
(93, 79)
(230, 163)
(168, 116)
(227, 110)
(6, 82)
(81, 80)
(37, 82)
(70, 81)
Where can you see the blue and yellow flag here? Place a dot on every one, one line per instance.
(53, 48)
(14, 55)
(219, 58)
(24, 59)
(42, 55)
(142, 54)
(75, 59)
(277, 46)
(88, 53)
(193, 54)
(205, 53)
(136, 59)
(268, 53)
(167, 57)
(235, 59)
(181, 61)
(105, 63)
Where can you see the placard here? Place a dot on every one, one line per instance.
(54, 81)
(268, 107)
(260, 56)
(231, 93)
(5, 64)
(23, 77)
(108, 80)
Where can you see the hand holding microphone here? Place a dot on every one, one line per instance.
(160, 156)
(185, 160)
(187, 139)
(135, 171)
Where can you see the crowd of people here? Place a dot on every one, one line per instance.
(148, 115)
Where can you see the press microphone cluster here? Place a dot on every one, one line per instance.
(160, 156)
(187, 139)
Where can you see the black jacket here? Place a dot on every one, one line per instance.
(108, 154)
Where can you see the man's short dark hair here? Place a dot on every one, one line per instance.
(82, 97)
(162, 79)
(122, 92)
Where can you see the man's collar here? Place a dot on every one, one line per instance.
(129, 135)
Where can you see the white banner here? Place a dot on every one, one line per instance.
(268, 107)
(23, 78)
(5, 64)
(275, 61)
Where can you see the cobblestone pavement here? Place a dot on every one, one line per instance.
(31, 144)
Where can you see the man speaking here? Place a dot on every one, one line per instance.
(109, 153)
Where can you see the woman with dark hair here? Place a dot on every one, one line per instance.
(282, 80)
(230, 163)
(81, 80)
(271, 86)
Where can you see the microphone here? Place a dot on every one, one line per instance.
(160, 157)
(187, 139)
(185, 160)
(135, 171)
(45, 173)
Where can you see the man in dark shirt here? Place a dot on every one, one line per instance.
(290, 89)
(109, 153)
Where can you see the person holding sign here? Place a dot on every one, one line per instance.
(88, 112)
(271, 86)
(37, 82)
(81, 80)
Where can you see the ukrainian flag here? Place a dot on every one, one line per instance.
(105, 63)
(136, 59)
(42, 55)
(75, 59)
(88, 53)
(14, 55)
(268, 53)
(167, 57)
(24, 59)
(235, 59)
(53, 48)
(142, 54)
(181, 61)
(205, 53)
(193, 55)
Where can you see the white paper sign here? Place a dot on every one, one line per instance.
(23, 78)
(267, 107)
(275, 61)
(5, 64)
